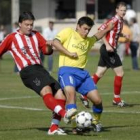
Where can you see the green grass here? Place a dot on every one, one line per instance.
(18, 120)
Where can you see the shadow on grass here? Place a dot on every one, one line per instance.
(68, 130)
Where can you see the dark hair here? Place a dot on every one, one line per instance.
(121, 4)
(51, 22)
(26, 16)
(85, 20)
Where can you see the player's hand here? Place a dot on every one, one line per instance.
(50, 42)
(109, 48)
(73, 55)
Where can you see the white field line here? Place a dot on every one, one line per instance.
(23, 108)
(106, 93)
(39, 109)
(13, 98)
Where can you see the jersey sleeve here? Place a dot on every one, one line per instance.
(93, 40)
(42, 43)
(104, 25)
(5, 44)
(63, 35)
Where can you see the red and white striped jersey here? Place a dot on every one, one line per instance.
(25, 49)
(113, 35)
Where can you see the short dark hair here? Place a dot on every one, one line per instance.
(85, 20)
(26, 16)
(51, 22)
(121, 4)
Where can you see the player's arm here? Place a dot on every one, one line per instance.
(108, 47)
(57, 44)
(102, 33)
(5, 44)
(49, 48)
(44, 45)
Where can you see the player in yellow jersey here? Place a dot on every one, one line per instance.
(74, 46)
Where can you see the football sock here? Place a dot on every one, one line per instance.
(84, 96)
(53, 127)
(53, 105)
(117, 88)
(96, 118)
(97, 111)
(95, 78)
(56, 118)
(70, 106)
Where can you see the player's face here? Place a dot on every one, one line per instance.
(83, 30)
(26, 27)
(121, 11)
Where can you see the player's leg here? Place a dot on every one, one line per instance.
(101, 69)
(38, 79)
(99, 74)
(54, 128)
(116, 64)
(117, 86)
(89, 88)
(68, 84)
(97, 109)
(102, 64)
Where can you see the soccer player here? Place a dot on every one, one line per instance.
(108, 54)
(71, 75)
(25, 45)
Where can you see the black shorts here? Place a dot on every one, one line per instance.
(109, 59)
(36, 77)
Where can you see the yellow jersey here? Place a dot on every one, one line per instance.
(73, 42)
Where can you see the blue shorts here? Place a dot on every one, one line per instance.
(77, 78)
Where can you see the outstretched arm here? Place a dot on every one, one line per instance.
(101, 33)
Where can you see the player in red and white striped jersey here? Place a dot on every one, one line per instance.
(108, 54)
(25, 45)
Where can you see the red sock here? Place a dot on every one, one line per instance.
(53, 105)
(95, 78)
(117, 88)
(62, 104)
(53, 127)
(85, 97)
(56, 118)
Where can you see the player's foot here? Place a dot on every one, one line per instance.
(120, 103)
(97, 126)
(58, 131)
(84, 101)
(69, 114)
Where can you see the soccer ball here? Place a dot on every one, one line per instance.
(83, 119)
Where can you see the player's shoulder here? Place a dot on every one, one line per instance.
(10, 36)
(114, 19)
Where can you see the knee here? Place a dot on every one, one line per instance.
(98, 102)
(121, 74)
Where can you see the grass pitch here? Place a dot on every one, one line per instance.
(23, 115)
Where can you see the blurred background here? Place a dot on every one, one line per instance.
(63, 12)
